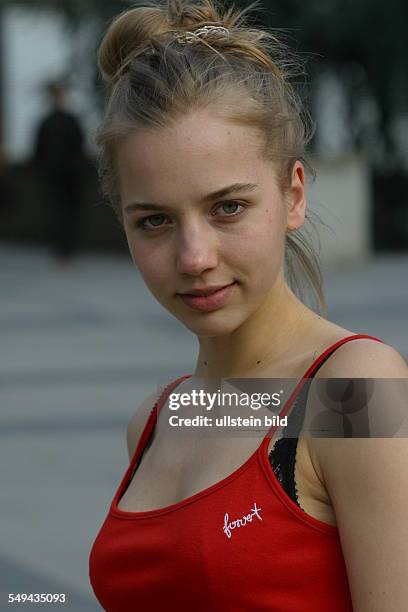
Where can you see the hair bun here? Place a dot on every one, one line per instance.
(185, 14)
(128, 33)
(132, 30)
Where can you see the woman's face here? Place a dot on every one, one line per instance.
(183, 236)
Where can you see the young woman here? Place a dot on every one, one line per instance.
(202, 157)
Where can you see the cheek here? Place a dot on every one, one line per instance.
(152, 262)
(259, 255)
(258, 245)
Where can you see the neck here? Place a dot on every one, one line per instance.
(267, 337)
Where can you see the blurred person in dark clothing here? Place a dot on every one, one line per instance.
(5, 186)
(59, 158)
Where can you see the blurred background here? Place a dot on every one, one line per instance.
(82, 341)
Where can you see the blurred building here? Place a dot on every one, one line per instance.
(38, 47)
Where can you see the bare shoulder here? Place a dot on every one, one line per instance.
(364, 358)
(359, 358)
(139, 420)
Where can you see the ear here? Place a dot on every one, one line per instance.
(295, 198)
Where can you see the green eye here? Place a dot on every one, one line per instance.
(152, 219)
(230, 208)
(228, 205)
(156, 217)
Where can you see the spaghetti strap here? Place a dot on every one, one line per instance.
(165, 394)
(310, 372)
(326, 354)
(152, 420)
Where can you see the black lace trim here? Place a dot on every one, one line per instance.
(283, 460)
(283, 455)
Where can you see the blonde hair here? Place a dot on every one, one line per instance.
(154, 76)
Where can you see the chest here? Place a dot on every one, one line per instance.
(221, 547)
(166, 475)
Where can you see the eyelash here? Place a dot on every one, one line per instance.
(140, 224)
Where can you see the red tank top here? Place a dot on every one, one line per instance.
(240, 545)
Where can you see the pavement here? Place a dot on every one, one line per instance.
(82, 344)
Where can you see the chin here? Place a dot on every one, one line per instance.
(212, 324)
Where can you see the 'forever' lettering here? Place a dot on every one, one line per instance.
(241, 522)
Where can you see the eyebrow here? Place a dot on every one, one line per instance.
(220, 193)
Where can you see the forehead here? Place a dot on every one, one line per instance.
(199, 149)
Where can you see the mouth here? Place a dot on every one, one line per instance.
(204, 291)
(208, 299)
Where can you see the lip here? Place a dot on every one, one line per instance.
(205, 290)
(208, 299)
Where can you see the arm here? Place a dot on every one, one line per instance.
(367, 481)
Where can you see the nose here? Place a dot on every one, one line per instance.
(197, 250)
